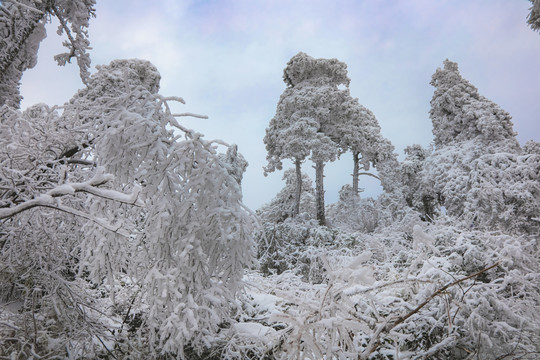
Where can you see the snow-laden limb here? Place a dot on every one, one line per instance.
(191, 115)
(190, 243)
(91, 186)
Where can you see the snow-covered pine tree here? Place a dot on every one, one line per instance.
(305, 118)
(22, 28)
(459, 113)
(358, 131)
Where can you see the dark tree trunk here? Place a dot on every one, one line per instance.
(319, 187)
(356, 170)
(298, 193)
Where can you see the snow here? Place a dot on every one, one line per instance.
(253, 330)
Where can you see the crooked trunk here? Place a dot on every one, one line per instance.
(298, 189)
(319, 187)
(356, 170)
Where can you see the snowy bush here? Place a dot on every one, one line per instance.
(446, 293)
(353, 213)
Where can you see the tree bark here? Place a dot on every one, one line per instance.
(319, 187)
(356, 170)
(298, 193)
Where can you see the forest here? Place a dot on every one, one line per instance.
(123, 233)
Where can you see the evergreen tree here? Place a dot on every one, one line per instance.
(306, 117)
(478, 171)
(358, 131)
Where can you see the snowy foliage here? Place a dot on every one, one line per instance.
(281, 207)
(353, 213)
(22, 28)
(416, 194)
(441, 292)
(123, 234)
(177, 231)
(459, 113)
(477, 171)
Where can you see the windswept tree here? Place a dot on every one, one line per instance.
(306, 116)
(459, 113)
(478, 171)
(22, 28)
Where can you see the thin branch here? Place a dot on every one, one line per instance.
(370, 174)
(192, 115)
(387, 327)
(67, 31)
(436, 293)
(28, 7)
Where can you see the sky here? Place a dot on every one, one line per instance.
(226, 60)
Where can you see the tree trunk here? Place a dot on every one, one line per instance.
(298, 193)
(356, 170)
(319, 187)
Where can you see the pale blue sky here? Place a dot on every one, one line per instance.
(226, 59)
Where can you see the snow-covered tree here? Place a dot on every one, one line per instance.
(478, 171)
(22, 28)
(459, 113)
(416, 196)
(305, 119)
(123, 193)
(533, 19)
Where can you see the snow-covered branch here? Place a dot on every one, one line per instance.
(191, 115)
(91, 187)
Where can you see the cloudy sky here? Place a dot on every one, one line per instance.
(226, 59)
